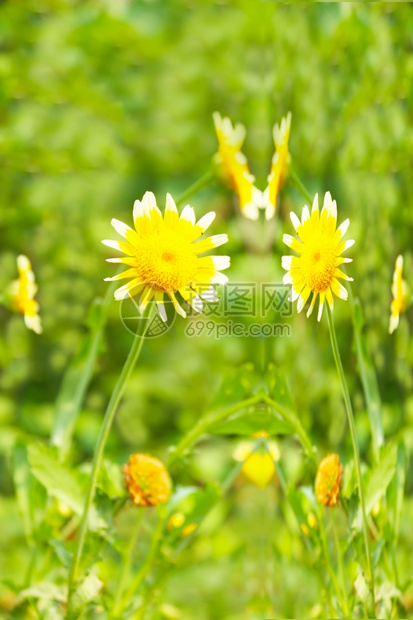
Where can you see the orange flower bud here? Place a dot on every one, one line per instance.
(328, 480)
(147, 480)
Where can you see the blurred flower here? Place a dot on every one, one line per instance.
(316, 270)
(164, 258)
(189, 529)
(328, 480)
(257, 467)
(147, 480)
(400, 292)
(312, 521)
(22, 292)
(235, 165)
(176, 520)
(280, 160)
(305, 530)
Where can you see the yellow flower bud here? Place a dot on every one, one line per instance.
(147, 480)
(328, 480)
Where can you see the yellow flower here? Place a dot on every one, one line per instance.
(189, 529)
(147, 480)
(176, 520)
(328, 480)
(280, 160)
(399, 291)
(235, 165)
(316, 269)
(23, 291)
(165, 256)
(257, 467)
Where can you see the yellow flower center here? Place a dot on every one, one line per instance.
(318, 261)
(166, 261)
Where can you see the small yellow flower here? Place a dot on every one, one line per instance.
(235, 165)
(316, 269)
(166, 257)
(23, 292)
(280, 161)
(328, 480)
(305, 530)
(147, 480)
(312, 521)
(257, 467)
(176, 520)
(189, 529)
(400, 291)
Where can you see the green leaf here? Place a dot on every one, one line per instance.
(86, 592)
(396, 490)
(58, 480)
(249, 422)
(368, 378)
(278, 388)
(24, 483)
(237, 385)
(378, 481)
(78, 376)
(363, 592)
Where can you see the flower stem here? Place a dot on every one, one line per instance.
(329, 566)
(127, 560)
(340, 565)
(350, 416)
(196, 187)
(298, 427)
(99, 449)
(199, 429)
(296, 182)
(147, 564)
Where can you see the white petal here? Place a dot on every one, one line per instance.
(120, 227)
(300, 304)
(170, 204)
(315, 203)
(149, 201)
(188, 214)
(343, 227)
(286, 262)
(112, 244)
(295, 221)
(206, 221)
(162, 311)
(320, 311)
(288, 240)
(221, 262)
(343, 292)
(219, 278)
(218, 240)
(287, 279)
(209, 294)
(305, 215)
(348, 244)
(138, 210)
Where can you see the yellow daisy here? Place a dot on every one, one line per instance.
(400, 292)
(234, 162)
(257, 466)
(280, 160)
(319, 248)
(23, 292)
(166, 255)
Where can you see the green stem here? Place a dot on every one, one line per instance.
(127, 561)
(146, 566)
(350, 416)
(327, 559)
(99, 449)
(199, 429)
(196, 187)
(340, 565)
(296, 182)
(298, 427)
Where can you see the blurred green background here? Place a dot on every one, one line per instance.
(101, 101)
